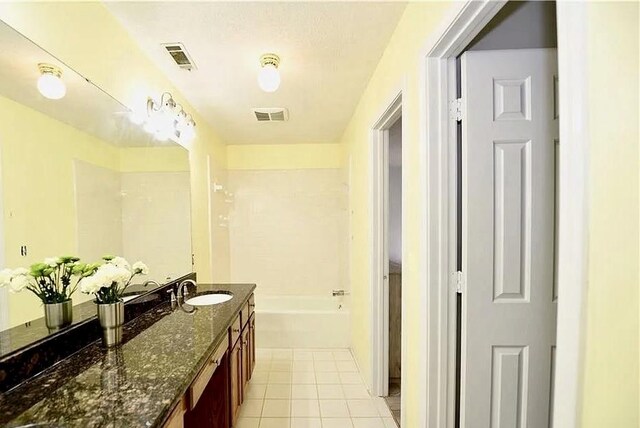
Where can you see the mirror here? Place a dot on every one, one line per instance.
(79, 178)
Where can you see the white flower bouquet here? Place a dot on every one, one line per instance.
(51, 280)
(109, 280)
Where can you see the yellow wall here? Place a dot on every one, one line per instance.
(89, 39)
(38, 191)
(611, 362)
(398, 70)
(284, 156)
(152, 159)
(38, 187)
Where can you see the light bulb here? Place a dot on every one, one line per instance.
(51, 85)
(269, 78)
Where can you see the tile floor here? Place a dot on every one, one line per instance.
(302, 388)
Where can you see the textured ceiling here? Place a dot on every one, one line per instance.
(328, 49)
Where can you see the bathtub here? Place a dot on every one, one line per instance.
(302, 322)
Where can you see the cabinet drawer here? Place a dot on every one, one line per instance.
(236, 329)
(176, 419)
(202, 380)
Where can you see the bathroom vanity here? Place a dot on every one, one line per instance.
(179, 366)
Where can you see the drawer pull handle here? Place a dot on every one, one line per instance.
(236, 330)
(252, 305)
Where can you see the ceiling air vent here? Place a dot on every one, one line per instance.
(271, 114)
(180, 55)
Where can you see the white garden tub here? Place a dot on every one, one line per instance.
(302, 322)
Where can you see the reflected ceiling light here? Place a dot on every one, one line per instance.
(269, 76)
(50, 82)
(167, 120)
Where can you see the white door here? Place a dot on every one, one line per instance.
(509, 134)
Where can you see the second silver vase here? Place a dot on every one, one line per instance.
(111, 317)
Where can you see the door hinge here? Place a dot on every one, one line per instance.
(455, 109)
(458, 281)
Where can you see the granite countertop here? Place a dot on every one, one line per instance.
(134, 385)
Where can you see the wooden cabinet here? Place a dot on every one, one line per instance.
(252, 344)
(246, 357)
(235, 377)
(176, 418)
(211, 410)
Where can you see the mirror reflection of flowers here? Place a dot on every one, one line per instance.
(51, 280)
(109, 280)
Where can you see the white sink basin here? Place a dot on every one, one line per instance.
(209, 299)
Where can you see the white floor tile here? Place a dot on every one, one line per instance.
(334, 409)
(256, 390)
(275, 423)
(348, 378)
(282, 354)
(260, 377)
(276, 408)
(280, 377)
(304, 392)
(362, 408)
(367, 423)
(342, 356)
(280, 366)
(346, 366)
(248, 423)
(337, 423)
(383, 408)
(308, 378)
(278, 391)
(251, 408)
(305, 408)
(323, 356)
(327, 378)
(389, 423)
(302, 366)
(330, 392)
(300, 355)
(306, 423)
(355, 391)
(325, 366)
(263, 354)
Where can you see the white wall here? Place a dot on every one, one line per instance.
(395, 193)
(288, 230)
(156, 222)
(520, 25)
(137, 215)
(99, 211)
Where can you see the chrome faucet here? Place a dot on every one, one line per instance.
(182, 290)
(150, 281)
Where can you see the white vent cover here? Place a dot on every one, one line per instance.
(271, 114)
(180, 55)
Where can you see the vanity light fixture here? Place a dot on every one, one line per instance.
(269, 76)
(166, 120)
(50, 82)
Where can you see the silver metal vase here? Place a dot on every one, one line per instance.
(111, 317)
(58, 315)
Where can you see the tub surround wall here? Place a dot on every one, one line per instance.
(136, 384)
(288, 230)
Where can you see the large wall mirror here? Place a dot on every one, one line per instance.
(79, 178)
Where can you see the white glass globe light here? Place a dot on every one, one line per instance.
(269, 78)
(51, 85)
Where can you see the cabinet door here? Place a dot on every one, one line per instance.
(235, 375)
(246, 357)
(252, 344)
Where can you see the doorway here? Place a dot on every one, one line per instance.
(386, 228)
(394, 261)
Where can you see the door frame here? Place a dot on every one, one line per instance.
(439, 133)
(379, 196)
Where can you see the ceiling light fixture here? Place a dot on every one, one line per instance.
(50, 82)
(269, 76)
(166, 120)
